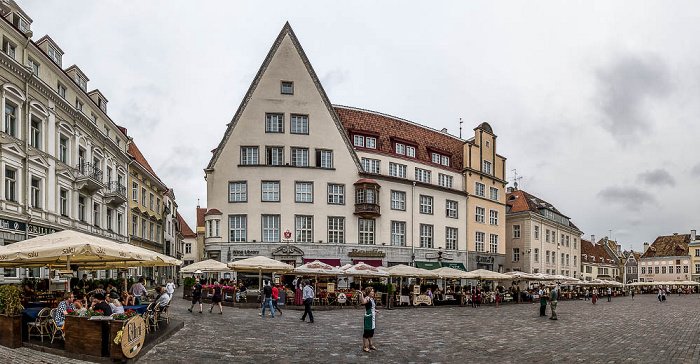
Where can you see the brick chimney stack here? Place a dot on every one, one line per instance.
(646, 246)
(693, 235)
(593, 239)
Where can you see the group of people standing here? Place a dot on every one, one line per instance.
(552, 297)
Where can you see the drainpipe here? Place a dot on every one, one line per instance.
(466, 224)
(413, 240)
(25, 132)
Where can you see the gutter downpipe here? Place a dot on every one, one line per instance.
(413, 240)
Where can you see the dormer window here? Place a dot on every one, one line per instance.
(81, 82)
(102, 104)
(54, 55)
(410, 151)
(400, 148)
(20, 23)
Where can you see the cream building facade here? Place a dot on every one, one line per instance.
(694, 251)
(667, 259)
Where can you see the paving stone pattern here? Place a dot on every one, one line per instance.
(621, 331)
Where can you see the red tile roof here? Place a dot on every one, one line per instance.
(593, 253)
(200, 216)
(387, 129)
(213, 212)
(136, 154)
(668, 246)
(184, 228)
(521, 201)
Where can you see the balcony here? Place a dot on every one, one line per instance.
(115, 194)
(367, 198)
(89, 177)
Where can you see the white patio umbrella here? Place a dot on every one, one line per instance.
(209, 265)
(449, 273)
(317, 269)
(403, 270)
(260, 264)
(486, 275)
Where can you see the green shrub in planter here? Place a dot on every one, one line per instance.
(9, 300)
(188, 282)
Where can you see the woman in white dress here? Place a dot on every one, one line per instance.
(367, 299)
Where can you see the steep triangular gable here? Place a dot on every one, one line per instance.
(286, 30)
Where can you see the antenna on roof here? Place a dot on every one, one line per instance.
(460, 128)
(516, 179)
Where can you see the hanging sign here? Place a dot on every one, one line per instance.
(133, 335)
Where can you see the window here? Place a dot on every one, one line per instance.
(10, 119)
(270, 228)
(516, 254)
(304, 229)
(134, 225)
(656, 270)
(135, 191)
(554, 239)
(697, 268)
(537, 256)
(589, 269)
(451, 209)
(102, 104)
(188, 248)
(78, 105)
(10, 185)
(479, 238)
(445, 160)
(63, 149)
(151, 236)
(300, 124)
(567, 240)
(63, 202)
(450, 238)
(82, 82)
(562, 239)
(422, 175)
(426, 204)
(444, 180)
(366, 231)
(237, 228)
(516, 231)
(94, 118)
(119, 223)
(275, 156)
(304, 192)
(546, 235)
(548, 257)
(562, 259)
(411, 151)
(36, 193)
(54, 55)
(336, 229)
(34, 66)
(336, 194)
(398, 233)
(685, 269)
(300, 157)
(371, 142)
(210, 228)
(324, 158)
(574, 243)
(398, 200)
(81, 208)
(436, 158)
(493, 243)
(487, 167)
(663, 270)
(61, 90)
(249, 156)
(480, 189)
(158, 205)
(143, 196)
(287, 88)
(9, 48)
(480, 214)
(426, 236)
(271, 191)
(537, 233)
(366, 196)
(397, 170)
(400, 148)
(237, 191)
(359, 141)
(274, 123)
(493, 217)
(151, 200)
(96, 214)
(370, 165)
(493, 193)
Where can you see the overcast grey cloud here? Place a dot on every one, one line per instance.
(657, 177)
(578, 106)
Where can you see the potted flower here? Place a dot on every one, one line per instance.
(10, 317)
(84, 336)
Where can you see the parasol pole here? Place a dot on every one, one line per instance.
(68, 268)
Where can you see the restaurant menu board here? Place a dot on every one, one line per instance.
(416, 289)
(133, 335)
(330, 287)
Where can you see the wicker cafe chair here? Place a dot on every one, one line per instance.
(54, 330)
(40, 325)
(149, 314)
(163, 314)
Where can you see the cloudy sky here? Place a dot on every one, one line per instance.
(596, 104)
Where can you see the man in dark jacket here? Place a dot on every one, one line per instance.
(267, 300)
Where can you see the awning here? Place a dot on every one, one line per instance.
(372, 262)
(453, 265)
(331, 262)
(427, 265)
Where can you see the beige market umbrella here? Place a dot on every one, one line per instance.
(365, 270)
(209, 265)
(486, 275)
(260, 264)
(449, 273)
(403, 270)
(318, 268)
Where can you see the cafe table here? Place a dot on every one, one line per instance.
(36, 305)
(138, 308)
(31, 313)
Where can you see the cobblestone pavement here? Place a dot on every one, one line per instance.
(621, 331)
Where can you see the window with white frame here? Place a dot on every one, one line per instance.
(444, 180)
(516, 254)
(397, 170)
(567, 259)
(54, 55)
(81, 82)
(516, 231)
(109, 217)
(398, 233)
(411, 151)
(10, 119)
(61, 90)
(575, 243)
(63, 202)
(300, 124)
(304, 192)
(287, 88)
(237, 225)
(237, 191)
(536, 256)
(270, 228)
(371, 165)
(480, 214)
(574, 261)
(436, 158)
(275, 156)
(304, 228)
(493, 193)
(479, 239)
(324, 158)
(81, 208)
(36, 193)
(96, 214)
(480, 189)
(188, 248)
(445, 161)
(271, 191)
(546, 235)
(426, 204)
(151, 201)
(400, 148)
(366, 231)
(134, 225)
(300, 157)
(249, 156)
(359, 140)
(63, 149)
(336, 194)
(34, 66)
(537, 232)
(274, 123)
(135, 191)
(371, 142)
(487, 167)
(422, 175)
(450, 238)
(426, 236)
(336, 229)
(9, 48)
(562, 259)
(451, 209)
(398, 200)
(493, 243)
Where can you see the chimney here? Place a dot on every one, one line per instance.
(592, 238)
(646, 246)
(693, 235)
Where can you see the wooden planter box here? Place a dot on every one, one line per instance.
(115, 350)
(83, 336)
(11, 331)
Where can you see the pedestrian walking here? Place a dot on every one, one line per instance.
(308, 297)
(275, 297)
(298, 294)
(216, 299)
(266, 297)
(543, 301)
(632, 293)
(367, 299)
(497, 297)
(587, 296)
(478, 297)
(595, 295)
(553, 298)
(609, 294)
(170, 287)
(196, 296)
(663, 295)
(473, 298)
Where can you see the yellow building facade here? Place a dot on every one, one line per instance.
(145, 203)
